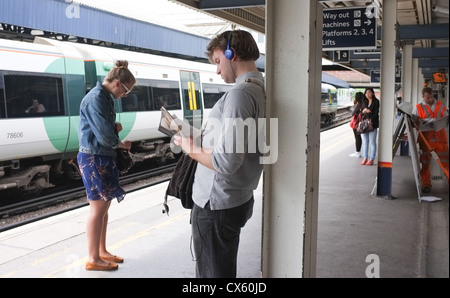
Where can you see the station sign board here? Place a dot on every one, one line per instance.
(375, 76)
(341, 56)
(376, 51)
(350, 28)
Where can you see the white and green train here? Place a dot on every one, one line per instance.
(37, 143)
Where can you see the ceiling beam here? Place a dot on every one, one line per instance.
(433, 31)
(430, 52)
(227, 4)
(433, 63)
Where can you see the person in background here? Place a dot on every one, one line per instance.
(224, 180)
(36, 107)
(356, 111)
(399, 113)
(437, 140)
(370, 109)
(98, 138)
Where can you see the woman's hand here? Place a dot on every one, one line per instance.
(125, 145)
(118, 127)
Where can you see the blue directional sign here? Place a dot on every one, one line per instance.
(350, 28)
(375, 76)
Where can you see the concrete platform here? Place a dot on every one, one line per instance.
(359, 235)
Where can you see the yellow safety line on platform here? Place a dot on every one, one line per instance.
(134, 237)
(344, 140)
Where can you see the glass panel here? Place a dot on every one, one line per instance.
(2, 98)
(31, 95)
(166, 94)
(212, 93)
(137, 100)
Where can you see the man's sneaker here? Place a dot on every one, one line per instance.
(356, 154)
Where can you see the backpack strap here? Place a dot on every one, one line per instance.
(255, 81)
(166, 206)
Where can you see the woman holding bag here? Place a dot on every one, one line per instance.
(97, 135)
(356, 114)
(370, 110)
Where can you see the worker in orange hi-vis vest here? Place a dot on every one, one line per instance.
(437, 140)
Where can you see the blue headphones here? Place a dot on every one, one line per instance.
(229, 52)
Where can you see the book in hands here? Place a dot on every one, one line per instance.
(171, 125)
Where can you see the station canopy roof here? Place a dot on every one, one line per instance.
(423, 23)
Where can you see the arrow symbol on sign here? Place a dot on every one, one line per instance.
(368, 22)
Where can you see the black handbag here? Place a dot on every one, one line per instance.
(124, 160)
(180, 185)
(364, 126)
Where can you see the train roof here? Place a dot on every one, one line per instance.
(135, 59)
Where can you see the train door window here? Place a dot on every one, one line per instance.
(33, 95)
(192, 101)
(165, 94)
(190, 85)
(212, 93)
(137, 100)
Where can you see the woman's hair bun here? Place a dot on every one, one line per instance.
(122, 64)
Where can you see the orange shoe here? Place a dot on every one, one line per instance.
(364, 161)
(111, 266)
(370, 162)
(114, 259)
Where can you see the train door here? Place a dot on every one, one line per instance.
(191, 97)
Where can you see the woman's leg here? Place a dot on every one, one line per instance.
(103, 251)
(365, 145)
(358, 141)
(94, 229)
(373, 143)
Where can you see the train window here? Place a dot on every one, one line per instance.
(2, 99)
(166, 94)
(212, 93)
(137, 100)
(29, 95)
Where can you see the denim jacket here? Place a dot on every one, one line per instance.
(96, 133)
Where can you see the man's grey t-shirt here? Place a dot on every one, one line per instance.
(232, 130)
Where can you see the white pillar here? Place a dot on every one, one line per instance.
(293, 77)
(387, 98)
(415, 82)
(407, 72)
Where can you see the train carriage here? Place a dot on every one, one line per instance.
(56, 75)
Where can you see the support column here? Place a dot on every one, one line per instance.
(387, 100)
(415, 84)
(407, 72)
(293, 77)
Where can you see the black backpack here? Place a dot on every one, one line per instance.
(180, 185)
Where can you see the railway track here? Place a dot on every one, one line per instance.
(343, 116)
(65, 196)
(46, 206)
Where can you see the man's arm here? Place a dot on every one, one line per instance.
(203, 156)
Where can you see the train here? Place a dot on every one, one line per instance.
(43, 82)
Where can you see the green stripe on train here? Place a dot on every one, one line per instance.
(57, 128)
(66, 66)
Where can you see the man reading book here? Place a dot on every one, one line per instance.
(225, 179)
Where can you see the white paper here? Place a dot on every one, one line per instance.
(430, 199)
